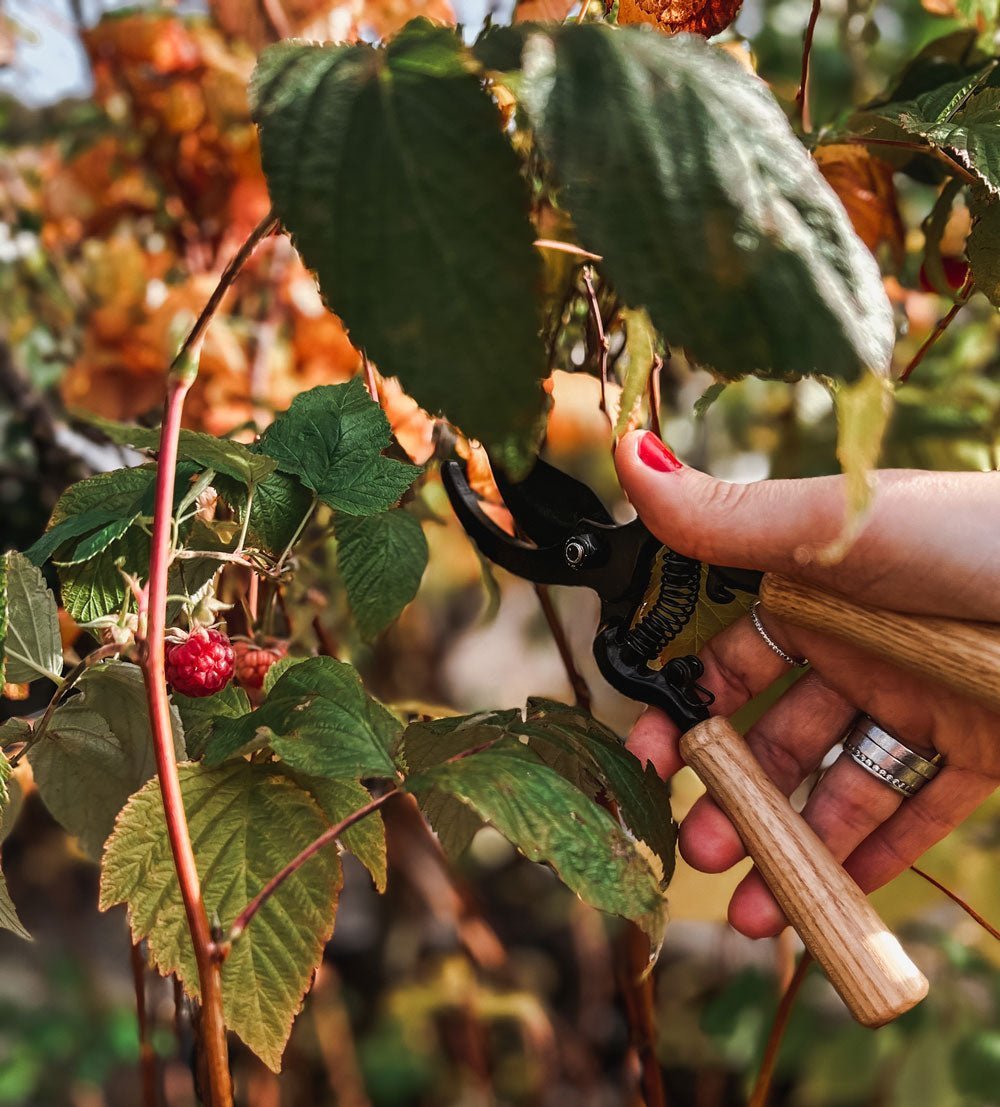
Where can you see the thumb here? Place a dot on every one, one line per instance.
(750, 526)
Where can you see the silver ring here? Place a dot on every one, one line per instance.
(883, 755)
(795, 662)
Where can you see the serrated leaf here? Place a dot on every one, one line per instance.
(232, 459)
(72, 527)
(706, 208)
(332, 438)
(97, 751)
(339, 798)
(983, 247)
(199, 714)
(99, 541)
(381, 559)
(33, 647)
(8, 912)
(960, 117)
(640, 346)
(280, 503)
(568, 740)
(246, 822)
(550, 820)
(278, 670)
(320, 721)
(389, 169)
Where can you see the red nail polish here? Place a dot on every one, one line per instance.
(653, 453)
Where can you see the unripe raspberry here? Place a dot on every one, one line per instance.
(253, 661)
(201, 664)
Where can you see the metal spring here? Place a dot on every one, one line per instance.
(676, 599)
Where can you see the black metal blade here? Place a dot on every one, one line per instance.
(548, 504)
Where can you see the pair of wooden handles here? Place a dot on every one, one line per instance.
(839, 927)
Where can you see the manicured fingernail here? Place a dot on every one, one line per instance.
(653, 453)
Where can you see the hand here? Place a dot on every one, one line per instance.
(929, 546)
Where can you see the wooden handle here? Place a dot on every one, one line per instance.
(839, 927)
(965, 656)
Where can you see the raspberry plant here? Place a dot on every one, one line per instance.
(704, 222)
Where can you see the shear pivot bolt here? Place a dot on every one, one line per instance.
(577, 550)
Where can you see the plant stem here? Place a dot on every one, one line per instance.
(566, 248)
(918, 148)
(970, 911)
(939, 328)
(328, 836)
(153, 665)
(297, 535)
(602, 343)
(581, 691)
(802, 96)
(762, 1085)
(67, 683)
(147, 1055)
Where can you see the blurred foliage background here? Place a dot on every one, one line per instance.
(129, 173)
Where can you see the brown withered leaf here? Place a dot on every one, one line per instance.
(698, 17)
(542, 11)
(865, 187)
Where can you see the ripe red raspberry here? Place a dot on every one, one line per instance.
(202, 664)
(253, 661)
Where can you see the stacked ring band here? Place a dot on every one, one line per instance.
(883, 755)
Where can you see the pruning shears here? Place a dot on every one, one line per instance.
(649, 593)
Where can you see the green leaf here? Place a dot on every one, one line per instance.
(705, 207)
(389, 169)
(983, 247)
(72, 527)
(640, 346)
(199, 714)
(381, 559)
(960, 117)
(99, 541)
(204, 450)
(339, 798)
(550, 820)
(568, 740)
(320, 721)
(8, 912)
(97, 751)
(247, 822)
(280, 503)
(33, 646)
(332, 438)
(95, 587)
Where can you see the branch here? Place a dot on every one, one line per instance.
(581, 690)
(762, 1086)
(971, 912)
(602, 342)
(151, 632)
(147, 1054)
(328, 836)
(918, 148)
(939, 328)
(802, 96)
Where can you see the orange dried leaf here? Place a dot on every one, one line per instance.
(699, 17)
(865, 187)
(541, 11)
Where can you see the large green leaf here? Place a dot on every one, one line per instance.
(199, 714)
(232, 459)
(32, 647)
(247, 822)
(97, 751)
(551, 820)
(339, 798)
(8, 912)
(568, 740)
(319, 720)
(960, 117)
(280, 503)
(681, 170)
(381, 560)
(983, 247)
(332, 438)
(389, 168)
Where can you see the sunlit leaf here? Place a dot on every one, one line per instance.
(32, 645)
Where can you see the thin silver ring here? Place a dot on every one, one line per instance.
(795, 662)
(884, 756)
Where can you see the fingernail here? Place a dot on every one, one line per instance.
(653, 453)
